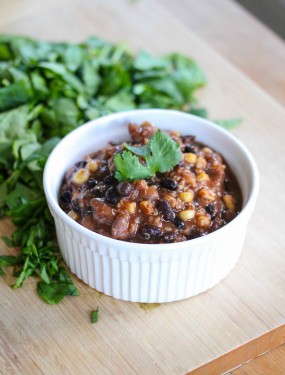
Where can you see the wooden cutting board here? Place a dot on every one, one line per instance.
(225, 324)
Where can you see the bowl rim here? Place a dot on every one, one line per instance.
(246, 210)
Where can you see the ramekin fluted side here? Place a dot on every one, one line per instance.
(148, 277)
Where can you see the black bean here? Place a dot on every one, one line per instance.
(110, 179)
(65, 197)
(75, 207)
(166, 210)
(124, 188)
(112, 195)
(91, 183)
(98, 191)
(81, 164)
(210, 208)
(178, 223)
(168, 183)
(150, 231)
(189, 148)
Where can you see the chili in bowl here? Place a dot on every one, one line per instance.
(150, 205)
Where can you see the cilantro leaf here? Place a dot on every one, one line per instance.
(129, 167)
(160, 154)
(9, 260)
(54, 292)
(140, 151)
(14, 95)
(145, 62)
(163, 153)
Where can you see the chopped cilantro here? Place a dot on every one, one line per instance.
(95, 315)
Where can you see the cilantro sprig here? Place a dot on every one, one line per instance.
(160, 155)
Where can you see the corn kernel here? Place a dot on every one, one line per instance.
(229, 202)
(131, 207)
(73, 215)
(187, 215)
(81, 176)
(202, 177)
(187, 196)
(190, 158)
(92, 165)
(203, 221)
(146, 207)
(201, 163)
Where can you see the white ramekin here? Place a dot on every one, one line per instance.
(149, 273)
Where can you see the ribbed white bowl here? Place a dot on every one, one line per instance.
(149, 273)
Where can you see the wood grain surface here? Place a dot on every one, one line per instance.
(244, 353)
(173, 338)
(271, 363)
(239, 36)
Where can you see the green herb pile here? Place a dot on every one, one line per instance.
(47, 90)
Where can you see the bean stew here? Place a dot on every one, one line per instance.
(196, 197)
